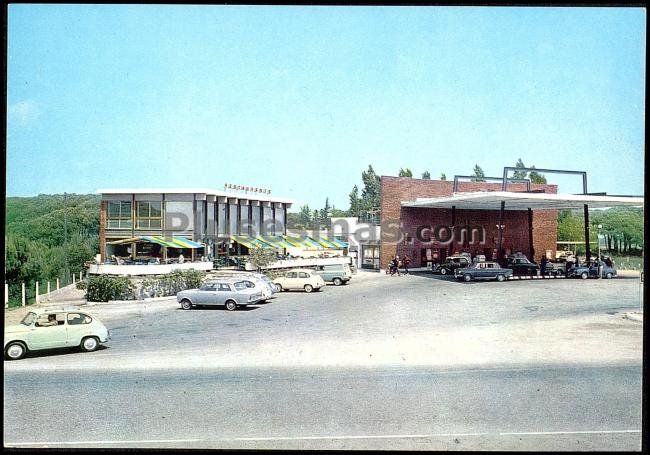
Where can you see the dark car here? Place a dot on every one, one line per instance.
(483, 271)
(590, 270)
(450, 264)
(520, 265)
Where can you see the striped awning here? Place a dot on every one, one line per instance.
(169, 242)
(275, 241)
(250, 242)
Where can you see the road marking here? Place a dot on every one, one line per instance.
(437, 435)
(305, 438)
(144, 441)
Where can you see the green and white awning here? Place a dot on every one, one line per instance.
(169, 242)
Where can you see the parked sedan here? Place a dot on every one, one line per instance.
(253, 280)
(520, 265)
(590, 270)
(230, 293)
(54, 327)
(483, 271)
(298, 279)
(450, 264)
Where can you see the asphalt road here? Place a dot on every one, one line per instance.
(409, 362)
(574, 408)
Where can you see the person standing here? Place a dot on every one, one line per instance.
(406, 261)
(543, 265)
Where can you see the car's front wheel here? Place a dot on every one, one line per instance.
(584, 275)
(309, 288)
(89, 344)
(337, 281)
(501, 277)
(186, 304)
(15, 350)
(467, 277)
(443, 271)
(278, 286)
(231, 305)
(609, 275)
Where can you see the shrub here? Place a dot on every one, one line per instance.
(104, 288)
(172, 283)
(83, 284)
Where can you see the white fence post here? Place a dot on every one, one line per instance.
(6, 295)
(73, 278)
(81, 275)
(36, 299)
(57, 284)
(22, 285)
(48, 287)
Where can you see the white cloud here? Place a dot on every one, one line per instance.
(23, 113)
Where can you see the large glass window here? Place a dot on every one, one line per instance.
(244, 222)
(119, 215)
(148, 215)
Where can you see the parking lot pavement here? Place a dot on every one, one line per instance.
(412, 320)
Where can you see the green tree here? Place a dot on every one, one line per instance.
(405, 173)
(426, 175)
(536, 177)
(261, 258)
(304, 217)
(478, 175)
(370, 192)
(519, 174)
(443, 176)
(355, 202)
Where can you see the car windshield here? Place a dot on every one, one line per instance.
(240, 285)
(29, 318)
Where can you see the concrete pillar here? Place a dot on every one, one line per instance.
(48, 287)
(23, 299)
(57, 284)
(37, 297)
(81, 275)
(74, 278)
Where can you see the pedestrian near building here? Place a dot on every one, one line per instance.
(406, 261)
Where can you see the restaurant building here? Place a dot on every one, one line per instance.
(194, 223)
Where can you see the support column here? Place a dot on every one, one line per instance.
(500, 243)
(531, 248)
(450, 248)
(587, 249)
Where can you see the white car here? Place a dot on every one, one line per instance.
(54, 327)
(298, 279)
(253, 280)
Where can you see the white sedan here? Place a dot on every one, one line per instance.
(299, 279)
(59, 327)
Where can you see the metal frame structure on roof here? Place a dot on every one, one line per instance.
(498, 179)
(491, 200)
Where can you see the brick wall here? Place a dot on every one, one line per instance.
(399, 224)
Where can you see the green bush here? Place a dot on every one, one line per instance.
(172, 283)
(104, 288)
(83, 284)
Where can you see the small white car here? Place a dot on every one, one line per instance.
(298, 279)
(54, 327)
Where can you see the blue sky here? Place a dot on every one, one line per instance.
(302, 99)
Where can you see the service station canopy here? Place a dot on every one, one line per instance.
(491, 200)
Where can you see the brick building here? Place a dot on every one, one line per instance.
(415, 231)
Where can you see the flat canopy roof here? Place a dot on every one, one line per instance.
(491, 200)
(237, 195)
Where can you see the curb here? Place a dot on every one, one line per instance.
(131, 302)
